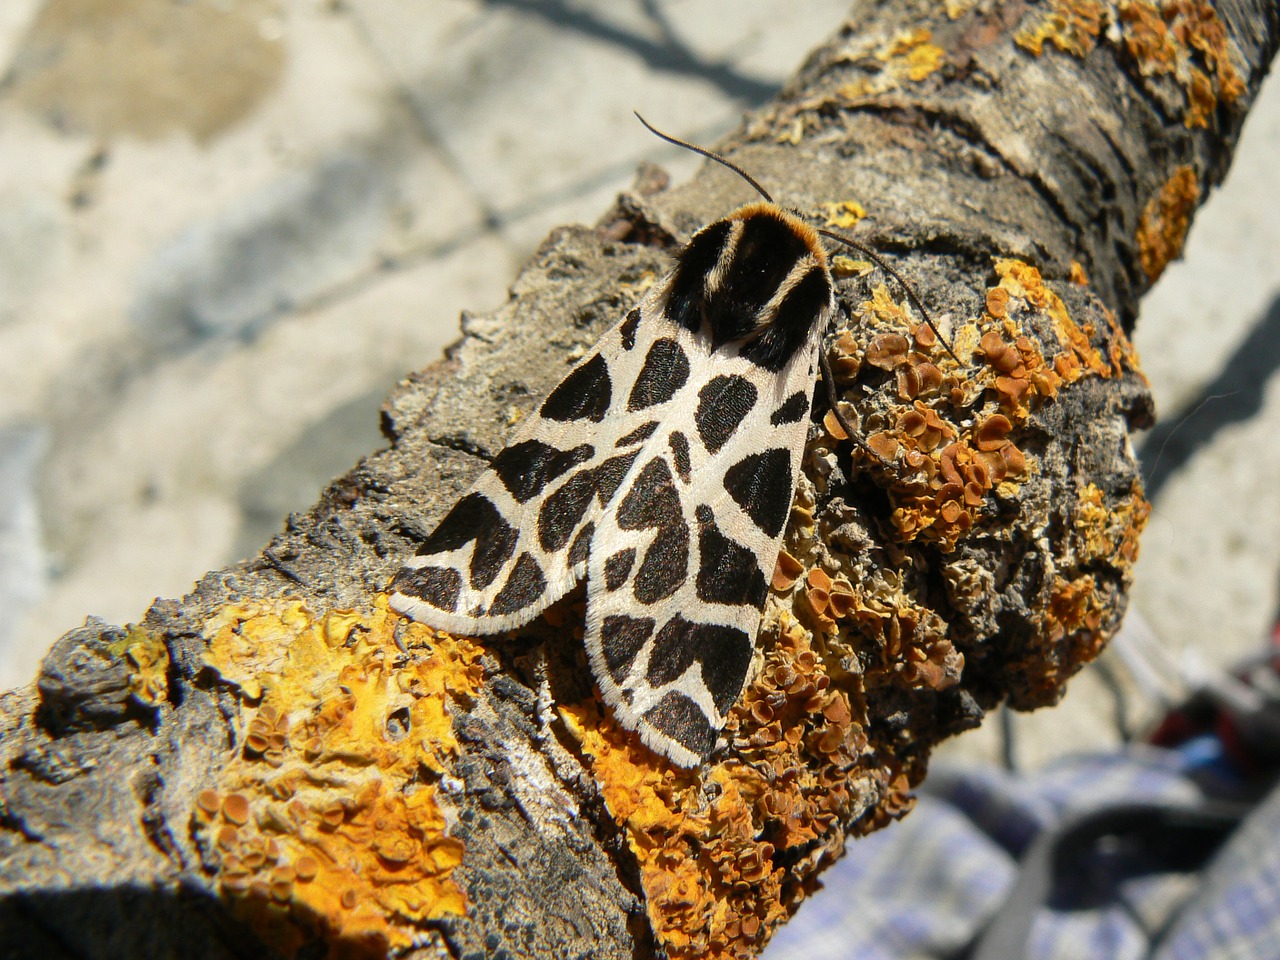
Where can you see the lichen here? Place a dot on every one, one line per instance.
(1165, 221)
(1185, 40)
(726, 853)
(843, 214)
(148, 660)
(1180, 39)
(322, 823)
(908, 58)
(955, 447)
(725, 856)
(1108, 535)
(1072, 26)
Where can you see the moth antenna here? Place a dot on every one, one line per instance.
(706, 153)
(833, 402)
(911, 294)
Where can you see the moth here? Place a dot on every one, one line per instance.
(662, 469)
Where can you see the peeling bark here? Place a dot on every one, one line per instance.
(277, 763)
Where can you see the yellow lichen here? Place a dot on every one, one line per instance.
(1109, 535)
(1165, 221)
(148, 660)
(804, 773)
(844, 214)
(322, 809)
(957, 459)
(917, 56)
(908, 58)
(1073, 620)
(1024, 281)
(843, 266)
(1072, 26)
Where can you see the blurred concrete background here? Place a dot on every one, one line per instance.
(227, 227)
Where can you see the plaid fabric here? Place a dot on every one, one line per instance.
(1117, 883)
(1236, 911)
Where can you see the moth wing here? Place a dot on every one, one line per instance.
(518, 540)
(682, 556)
(663, 467)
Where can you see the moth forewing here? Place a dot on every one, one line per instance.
(522, 527)
(672, 664)
(663, 468)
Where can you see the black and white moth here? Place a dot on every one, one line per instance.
(662, 468)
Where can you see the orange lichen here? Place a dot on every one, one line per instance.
(1024, 282)
(710, 847)
(1073, 623)
(1165, 221)
(1072, 26)
(322, 810)
(958, 461)
(1074, 606)
(888, 350)
(846, 356)
(1181, 39)
(724, 856)
(786, 572)
(1185, 40)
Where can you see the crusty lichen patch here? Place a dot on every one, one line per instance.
(953, 441)
(1071, 26)
(1074, 622)
(1183, 40)
(322, 822)
(909, 58)
(725, 855)
(953, 435)
(148, 660)
(843, 214)
(1166, 220)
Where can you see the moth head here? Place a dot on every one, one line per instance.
(752, 320)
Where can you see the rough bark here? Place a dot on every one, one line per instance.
(275, 762)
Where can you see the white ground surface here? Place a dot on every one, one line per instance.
(227, 228)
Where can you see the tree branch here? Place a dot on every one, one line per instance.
(277, 760)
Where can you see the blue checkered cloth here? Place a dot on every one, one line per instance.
(1107, 857)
